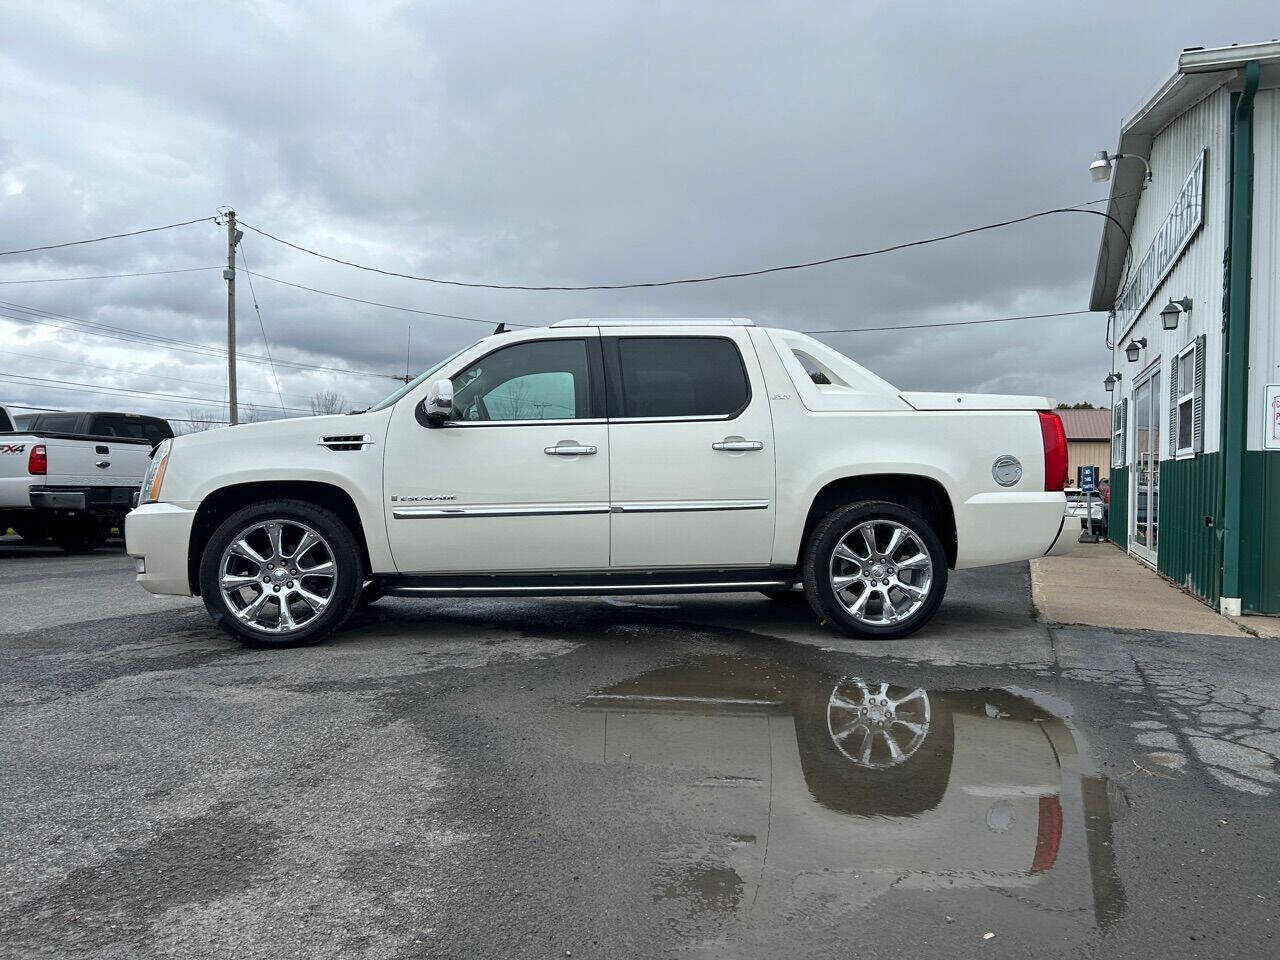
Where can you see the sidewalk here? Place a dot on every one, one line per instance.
(1099, 585)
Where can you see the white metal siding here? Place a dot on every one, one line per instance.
(1198, 273)
(1264, 298)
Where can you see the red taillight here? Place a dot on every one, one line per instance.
(37, 461)
(1055, 450)
(1048, 835)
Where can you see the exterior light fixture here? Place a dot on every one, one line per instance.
(1100, 169)
(1134, 348)
(1173, 310)
(1109, 384)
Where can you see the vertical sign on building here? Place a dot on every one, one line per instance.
(1271, 421)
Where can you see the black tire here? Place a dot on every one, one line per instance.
(348, 581)
(79, 533)
(33, 530)
(822, 543)
(789, 597)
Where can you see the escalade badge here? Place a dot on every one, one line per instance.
(440, 496)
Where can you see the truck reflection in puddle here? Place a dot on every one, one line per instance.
(810, 794)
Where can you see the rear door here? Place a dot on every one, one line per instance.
(690, 450)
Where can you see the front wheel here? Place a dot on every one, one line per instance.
(875, 570)
(281, 573)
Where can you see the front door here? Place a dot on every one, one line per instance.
(1144, 535)
(518, 480)
(691, 450)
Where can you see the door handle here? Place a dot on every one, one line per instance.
(567, 448)
(103, 464)
(736, 444)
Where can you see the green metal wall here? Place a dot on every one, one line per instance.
(1188, 550)
(1260, 533)
(1118, 519)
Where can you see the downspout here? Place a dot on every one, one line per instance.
(1236, 354)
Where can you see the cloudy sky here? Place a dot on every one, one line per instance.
(558, 143)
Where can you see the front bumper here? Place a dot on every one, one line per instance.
(158, 535)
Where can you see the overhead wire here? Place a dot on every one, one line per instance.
(261, 326)
(951, 323)
(109, 276)
(803, 265)
(46, 383)
(112, 236)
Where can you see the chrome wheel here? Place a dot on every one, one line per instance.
(881, 572)
(277, 576)
(877, 728)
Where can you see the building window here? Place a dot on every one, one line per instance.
(1186, 400)
(1119, 418)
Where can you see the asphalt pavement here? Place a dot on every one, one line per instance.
(704, 776)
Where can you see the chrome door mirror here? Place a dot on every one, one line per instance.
(438, 404)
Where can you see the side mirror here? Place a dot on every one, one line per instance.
(438, 404)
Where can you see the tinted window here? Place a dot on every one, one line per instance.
(681, 377)
(134, 428)
(5, 422)
(58, 422)
(540, 380)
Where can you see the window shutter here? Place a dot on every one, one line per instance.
(1197, 418)
(1173, 407)
(1120, 439)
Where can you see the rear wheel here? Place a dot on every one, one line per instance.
(32, 530)
(875, 569)
(281, 573)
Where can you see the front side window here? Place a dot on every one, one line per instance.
(680, 377)
(539, 380)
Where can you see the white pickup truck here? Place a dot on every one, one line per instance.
(70, 476)
(608, 456)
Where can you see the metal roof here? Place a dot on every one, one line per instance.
(1086, 424)
(1198, 73)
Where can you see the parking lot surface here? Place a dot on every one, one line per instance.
(712, 776)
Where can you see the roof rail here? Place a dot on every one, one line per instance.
(657, 322)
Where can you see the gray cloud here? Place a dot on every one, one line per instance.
(574, 142)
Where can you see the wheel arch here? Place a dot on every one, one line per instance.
(224, 501)
(924, 495)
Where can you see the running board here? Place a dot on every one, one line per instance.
(587, 583)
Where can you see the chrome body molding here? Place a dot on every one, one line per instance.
(570, 509)
(581, 589)
(500, 510)
(688, 506)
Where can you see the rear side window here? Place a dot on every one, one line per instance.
(58, 422)
(5, 423)
(680, 377)
(134, 428)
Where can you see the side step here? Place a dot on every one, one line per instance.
(584, 583)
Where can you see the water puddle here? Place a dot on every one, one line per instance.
(807, 793)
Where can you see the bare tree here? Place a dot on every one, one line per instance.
(328, 401)
(196, 421)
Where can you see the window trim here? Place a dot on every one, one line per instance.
(613, 372)
(1188, 452)
(595, 389)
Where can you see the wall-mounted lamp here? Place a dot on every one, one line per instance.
(1173, 310)
(1134, 348)
(1100, 169)
(1109, 384)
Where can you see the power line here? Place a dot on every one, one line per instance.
(136, 336)
(261, 326)
(109, 276)
(691, 280)
(389, 306)
(950, 323)
(132, 373)
(47, 383)
(27, 406)
(113, 236)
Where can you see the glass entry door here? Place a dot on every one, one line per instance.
(1144, 533)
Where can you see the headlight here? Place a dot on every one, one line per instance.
(154, 478)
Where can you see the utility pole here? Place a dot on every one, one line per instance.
(229, 274)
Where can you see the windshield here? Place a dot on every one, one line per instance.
(420, 378)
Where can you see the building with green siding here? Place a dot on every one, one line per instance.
(1189, 271)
